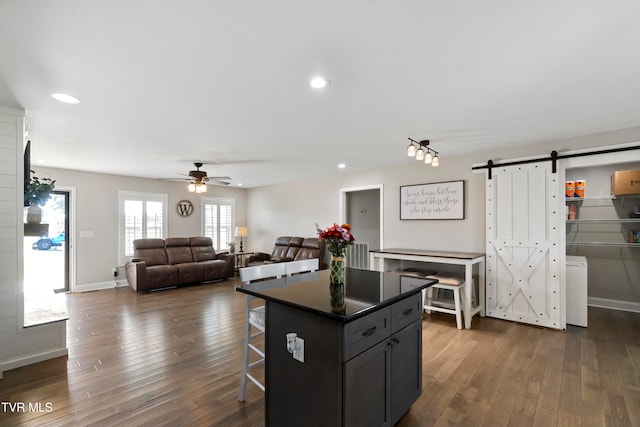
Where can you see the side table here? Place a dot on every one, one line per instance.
(239, 259)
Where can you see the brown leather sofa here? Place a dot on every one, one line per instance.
(162, 263)
(290, 249)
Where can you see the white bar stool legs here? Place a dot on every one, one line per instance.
(454, 284)
(255, 318)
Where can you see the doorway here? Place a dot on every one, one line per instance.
(47, 263)
(362, 208)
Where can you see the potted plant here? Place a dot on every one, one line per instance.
(36, 193)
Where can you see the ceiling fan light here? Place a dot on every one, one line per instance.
(192, 187)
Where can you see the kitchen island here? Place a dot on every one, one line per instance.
(361, 362)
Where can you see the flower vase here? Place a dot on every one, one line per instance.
(336, 283)
(336, 292)
(336, 273)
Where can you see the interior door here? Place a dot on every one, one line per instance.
(524, 245)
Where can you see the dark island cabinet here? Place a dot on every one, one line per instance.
(365, 372)
(382, 382)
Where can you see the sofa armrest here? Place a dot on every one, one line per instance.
(230, 260)
(226, 257)
(258, 256)
(136, 272)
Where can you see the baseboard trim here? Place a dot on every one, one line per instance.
(614, 304)
(99, 286)
(31, 359)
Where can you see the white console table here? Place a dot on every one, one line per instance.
(468, 259)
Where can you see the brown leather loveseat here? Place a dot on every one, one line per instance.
(290, 249)
(162, 263)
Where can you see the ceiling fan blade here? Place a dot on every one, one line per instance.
(217, 182)
(200, 175)
(211, 162)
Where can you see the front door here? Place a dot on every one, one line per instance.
(524, 245)
(46, 260)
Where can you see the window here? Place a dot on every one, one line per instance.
(142, 215)
(217, 221)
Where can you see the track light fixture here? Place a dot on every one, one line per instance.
(421, 151)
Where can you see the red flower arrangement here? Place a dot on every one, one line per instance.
(337, 238)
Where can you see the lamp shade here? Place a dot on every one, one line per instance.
(428, 158)
(241, 232)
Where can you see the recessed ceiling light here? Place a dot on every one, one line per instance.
(240, 184)
(342, 165)
(67, 99)
(318, 82)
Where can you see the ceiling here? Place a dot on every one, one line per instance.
(164, 83)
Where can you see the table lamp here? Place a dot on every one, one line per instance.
(241, 232)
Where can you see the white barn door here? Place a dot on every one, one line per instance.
(525, 245)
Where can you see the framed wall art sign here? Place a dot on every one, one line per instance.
(439, 200)
(184, 208)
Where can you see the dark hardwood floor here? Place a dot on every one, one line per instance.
(174, 358)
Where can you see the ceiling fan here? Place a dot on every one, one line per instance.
(199, 179)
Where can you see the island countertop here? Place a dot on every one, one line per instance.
(365, 291)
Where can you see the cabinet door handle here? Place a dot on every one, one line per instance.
(369, 331)
(407, 311)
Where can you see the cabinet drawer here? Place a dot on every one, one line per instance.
(406, 311)
(366, 331)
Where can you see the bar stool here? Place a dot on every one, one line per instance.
(255, 319)
(301, 266)
(451, 283)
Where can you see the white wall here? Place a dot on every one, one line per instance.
(293, 208)
(18, 345)
(97, 215)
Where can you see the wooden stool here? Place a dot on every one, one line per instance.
(455, 284)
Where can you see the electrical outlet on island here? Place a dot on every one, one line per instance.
(298, 352)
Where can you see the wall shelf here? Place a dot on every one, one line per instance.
(580, 199)
(605, 221)
(603, 197)
(617, 220)
(612, 244)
